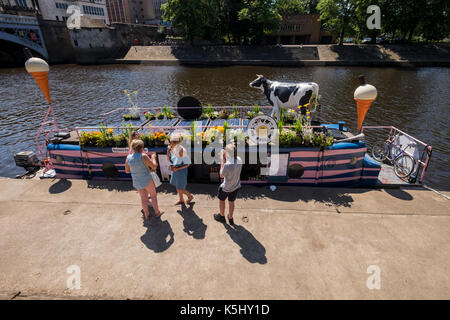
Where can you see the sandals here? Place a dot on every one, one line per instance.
(190, 199)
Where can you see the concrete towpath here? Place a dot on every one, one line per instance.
(294, 243)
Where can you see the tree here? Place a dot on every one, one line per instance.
(186, 16)
(289, 7)
(259, 18)
(337, 15)
(435, 22)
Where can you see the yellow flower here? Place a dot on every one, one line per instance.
(110, 131)
(128, 94)
(293, 111)
(125, 91)
(135, 92)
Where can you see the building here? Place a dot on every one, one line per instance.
(19, 7)
(118, 11)
(90, 9)
(301, 29)
(131, 11)
(157, 7)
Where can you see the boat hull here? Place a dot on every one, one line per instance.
(341, 165)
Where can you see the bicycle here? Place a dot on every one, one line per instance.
(403, 162)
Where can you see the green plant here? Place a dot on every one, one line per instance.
(288, 138)
(149, 115)
(131, 117)
(167, 112)
(289, 116)
(106, 137)
(120, 141)
(210, 113)
(160, 115)
(148, 139)
(321, 140)
(298, 127)
(224, 114)
(234, 114)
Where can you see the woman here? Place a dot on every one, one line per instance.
(138, 165)
(134, 135)
(177, 156)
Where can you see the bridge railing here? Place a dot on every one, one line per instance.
(13, 19)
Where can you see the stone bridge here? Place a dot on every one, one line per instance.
(23, 30)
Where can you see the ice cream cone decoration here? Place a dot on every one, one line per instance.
(365, 94)
(39, 69)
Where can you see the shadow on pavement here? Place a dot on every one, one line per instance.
(110, 185)
(251, 249)
(61, 186)
(192, 223)
(159, 235)
(400, 194)
(329, 196)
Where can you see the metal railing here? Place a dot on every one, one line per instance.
(146, 109)
(424, 155)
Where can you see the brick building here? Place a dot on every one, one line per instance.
(301, 29)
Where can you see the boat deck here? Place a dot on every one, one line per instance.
(388, 178)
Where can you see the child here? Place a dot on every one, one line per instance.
(134, 135)
(177, 156)
(230, 171)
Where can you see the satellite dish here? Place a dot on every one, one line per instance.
(189, 108)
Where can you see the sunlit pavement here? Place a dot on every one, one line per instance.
(293, 243)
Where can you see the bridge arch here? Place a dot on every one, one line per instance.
(24, 31)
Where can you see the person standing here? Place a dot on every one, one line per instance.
(230, 171)
(180, 162)
(137, 164)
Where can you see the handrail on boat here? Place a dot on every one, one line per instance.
(427, 151)
(106, 114)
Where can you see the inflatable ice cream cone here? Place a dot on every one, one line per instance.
(365, 94)
(39, 69)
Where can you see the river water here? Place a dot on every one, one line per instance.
(413, 100)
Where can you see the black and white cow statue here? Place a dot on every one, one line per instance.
(285, 95)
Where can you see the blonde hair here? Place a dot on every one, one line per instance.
(137, 145)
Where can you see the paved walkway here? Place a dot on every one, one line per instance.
(294, 243)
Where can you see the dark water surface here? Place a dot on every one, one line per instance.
(416, 100)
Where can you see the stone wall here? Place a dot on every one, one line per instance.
(89, 45)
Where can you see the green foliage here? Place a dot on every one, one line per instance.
(224, 114)
(241, 21)
(148, 139)
(321, 140)
(149, 115)
(337, 15)
(290, 7)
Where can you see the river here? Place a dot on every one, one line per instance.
(413, 100)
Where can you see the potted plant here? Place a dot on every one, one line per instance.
(133, 110)
(254, 113)
(149, 115)
(120, 141)
(224, 114)
(160, 139)
(148, 139)
(289, 116)
(234, 114)
(167, 112)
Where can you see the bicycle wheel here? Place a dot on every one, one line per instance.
(404, 166)
(379, 152)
